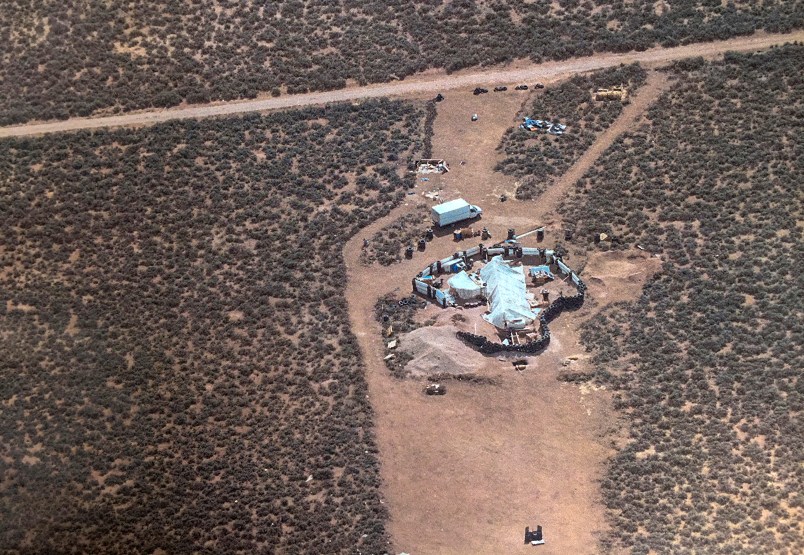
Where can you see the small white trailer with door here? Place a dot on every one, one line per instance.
(454, 211)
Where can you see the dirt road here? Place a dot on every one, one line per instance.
(429, 83)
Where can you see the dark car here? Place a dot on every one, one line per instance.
(499, 89)
(480, 90)
(538, 86)
(521, 87)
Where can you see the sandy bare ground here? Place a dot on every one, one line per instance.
(429, 82)
(465, 473)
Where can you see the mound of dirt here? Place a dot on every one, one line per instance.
(436, 349)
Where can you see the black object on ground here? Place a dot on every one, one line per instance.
(435, 389)
(533, 536)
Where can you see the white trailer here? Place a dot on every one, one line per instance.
(454, 211)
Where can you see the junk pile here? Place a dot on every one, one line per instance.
(431, 165)
(531, 124)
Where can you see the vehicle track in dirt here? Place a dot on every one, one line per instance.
(656, 84)
(429, 82)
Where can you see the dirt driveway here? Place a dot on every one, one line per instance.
(465, 473)
(427, 83)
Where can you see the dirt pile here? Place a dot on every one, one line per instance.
(438, 350)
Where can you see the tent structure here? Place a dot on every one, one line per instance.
(464, 286)
(507, 295)
(541, 272)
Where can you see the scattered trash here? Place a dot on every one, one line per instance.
(432, 195)
(425, 179)
(520, 364)
(392, 344)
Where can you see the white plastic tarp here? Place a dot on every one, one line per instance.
(464, 286)
(507, 295)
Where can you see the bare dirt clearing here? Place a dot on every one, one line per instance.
(429, 82)
(467, 472)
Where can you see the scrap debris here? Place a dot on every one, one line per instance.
(531, 124)
(431, 165)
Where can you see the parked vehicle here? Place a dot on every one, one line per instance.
(500, 89)
(538, 86)
(454, 211)
(521, 87)
(480, 90)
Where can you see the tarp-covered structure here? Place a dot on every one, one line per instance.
(464, 286)
(541, 272)
(507, 295)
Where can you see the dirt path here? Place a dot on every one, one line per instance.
(428, 83)
(465, 473)
(645, 96)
